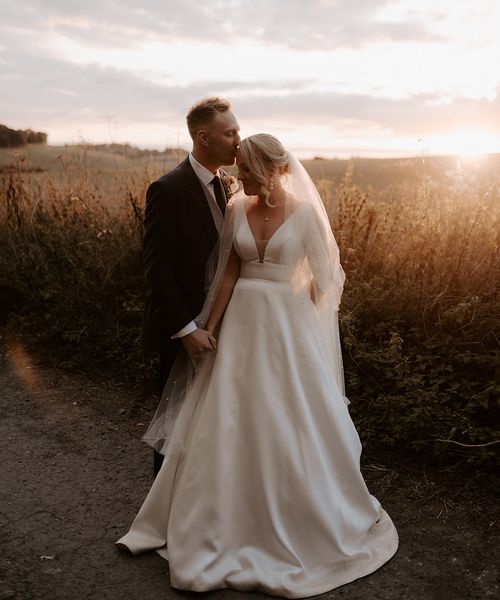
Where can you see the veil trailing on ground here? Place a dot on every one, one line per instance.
(318, 273)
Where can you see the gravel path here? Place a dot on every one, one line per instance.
(73, 473)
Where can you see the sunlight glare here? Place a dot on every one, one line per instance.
(472, 143)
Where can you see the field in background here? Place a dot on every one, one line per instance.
(51, 159)
(419, 242)
(380, 174)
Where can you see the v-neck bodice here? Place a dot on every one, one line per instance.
(261, 248)
(285, 247)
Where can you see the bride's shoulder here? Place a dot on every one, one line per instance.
(302, 208)
(308, 215)
(243, 204)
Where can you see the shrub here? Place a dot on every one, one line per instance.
(70, 263)
(419, 316)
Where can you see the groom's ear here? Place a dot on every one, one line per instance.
(202, 137)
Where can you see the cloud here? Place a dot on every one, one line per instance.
(48, 90)
(416, 116)
(312, 25)
(48, 84)
(52, 91)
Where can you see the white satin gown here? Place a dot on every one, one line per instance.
(264, 490)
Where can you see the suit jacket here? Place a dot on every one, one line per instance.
(179, 236)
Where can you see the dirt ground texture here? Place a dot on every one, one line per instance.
(74, 471)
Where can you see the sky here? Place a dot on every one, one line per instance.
(332, 78)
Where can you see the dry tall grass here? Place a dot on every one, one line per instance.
(419, 315)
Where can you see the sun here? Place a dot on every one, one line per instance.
(468, 143)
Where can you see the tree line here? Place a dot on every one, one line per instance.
(14, 138)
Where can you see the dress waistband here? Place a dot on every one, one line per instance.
(265, 270)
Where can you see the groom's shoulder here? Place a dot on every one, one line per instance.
(171, 185)
(176, 176)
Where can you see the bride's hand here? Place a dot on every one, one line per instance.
(199, 341)
(213, 339)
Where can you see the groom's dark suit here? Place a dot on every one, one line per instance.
(179, 236)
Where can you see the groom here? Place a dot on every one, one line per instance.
(183, 218)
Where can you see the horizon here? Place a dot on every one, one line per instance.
(310, 157)
(466, 158)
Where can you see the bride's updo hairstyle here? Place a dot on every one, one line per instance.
(266, 157)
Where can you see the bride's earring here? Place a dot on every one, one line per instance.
(271, 184)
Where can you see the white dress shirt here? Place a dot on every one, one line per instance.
(205, 176)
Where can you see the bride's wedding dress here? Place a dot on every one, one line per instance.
(261, 488)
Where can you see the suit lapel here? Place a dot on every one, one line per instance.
(197, 193)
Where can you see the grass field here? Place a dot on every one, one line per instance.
(381, 174)
(52, 159)
(420, 317)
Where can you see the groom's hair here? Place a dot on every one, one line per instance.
(204, 111)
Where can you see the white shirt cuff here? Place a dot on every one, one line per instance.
(189, 328)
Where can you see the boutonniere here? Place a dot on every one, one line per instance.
(230, 183)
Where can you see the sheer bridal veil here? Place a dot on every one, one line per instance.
(318, 271)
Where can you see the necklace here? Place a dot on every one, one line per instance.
(264, 216)
(262, 206)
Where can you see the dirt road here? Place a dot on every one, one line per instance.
(73, 472)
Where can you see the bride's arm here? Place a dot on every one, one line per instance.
(225, 291)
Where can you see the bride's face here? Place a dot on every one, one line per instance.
(251, 186)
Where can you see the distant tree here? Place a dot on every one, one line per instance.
(4, 136)
(15, 138)
(18, 137)
(36, 137)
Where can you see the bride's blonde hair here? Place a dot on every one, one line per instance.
(265, 156)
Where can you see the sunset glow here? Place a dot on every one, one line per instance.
(467, 143)
(394, 79)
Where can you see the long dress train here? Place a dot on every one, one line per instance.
(261, 488)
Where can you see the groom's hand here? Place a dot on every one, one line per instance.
(198, 341)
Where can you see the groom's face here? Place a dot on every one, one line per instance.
(223, 138)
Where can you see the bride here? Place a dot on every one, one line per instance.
(260, 488)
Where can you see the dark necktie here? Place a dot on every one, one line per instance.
(219, 193)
